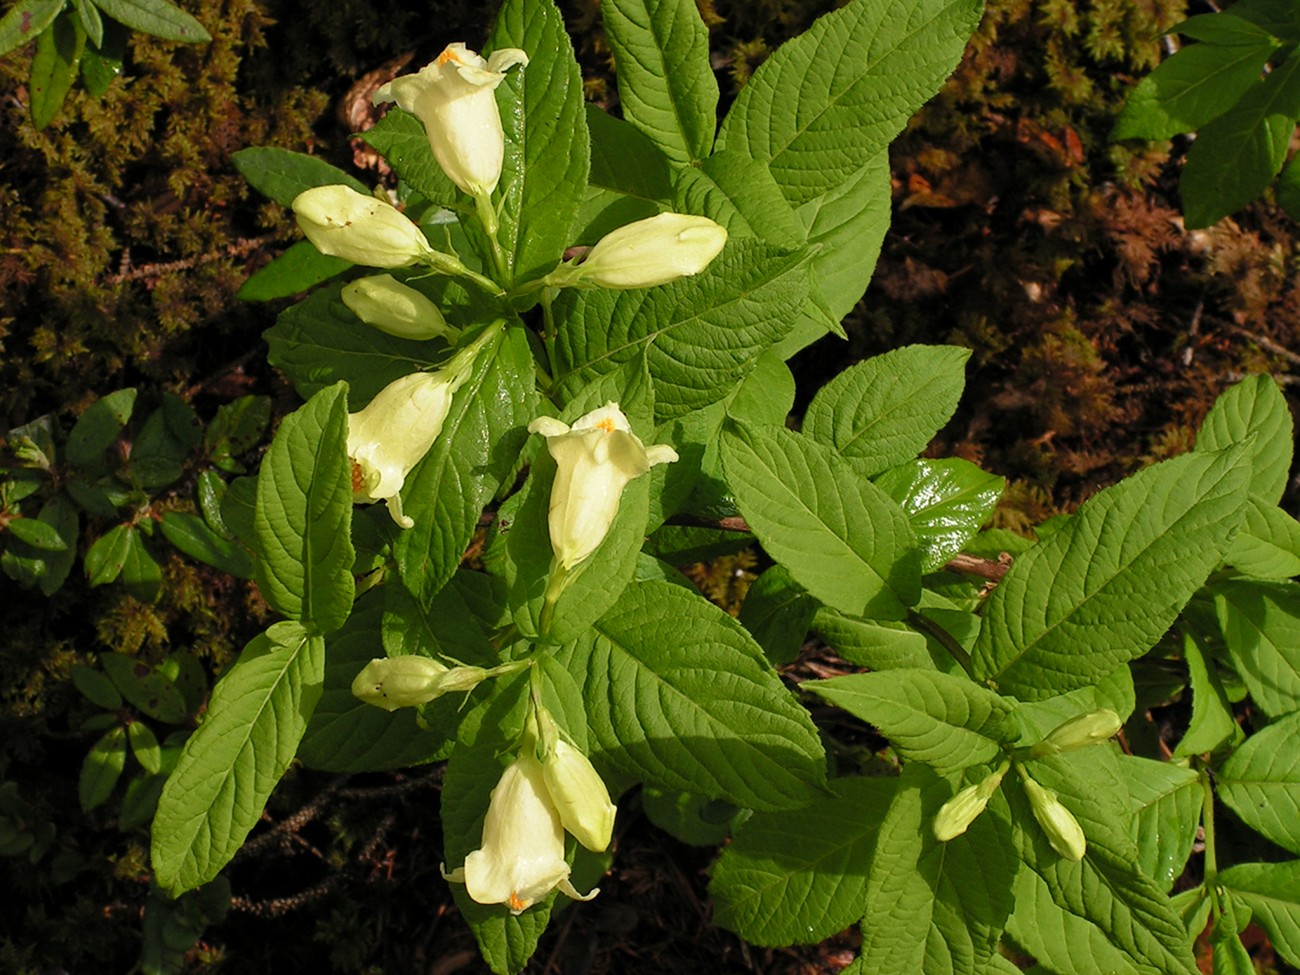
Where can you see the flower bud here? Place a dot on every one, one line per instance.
(400, 682)
(521, 856)
(576, 788)
(453, 97)
(362, 229)
(595, 459)
(1087, 729)
(653, 251)
(1062, 829)
(390, 306)
(956, 815)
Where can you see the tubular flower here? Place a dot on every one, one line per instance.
(576, 788)
(521, 858)
(390, 306)
(453, 97)
(362, 229)
(395, 430)
(408, 680)
(1062, 829)
(653, 251)
(956, 815)
(595, 459)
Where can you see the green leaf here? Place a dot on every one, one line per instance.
(101, 64)
(189, 533)
(1104, 588)
(172, 928)
(101, 769)
(1272, 892)
(1279, 17)
(344, 733)
(872, 643)
(25, 20)
(146, 688)
(1224, 30)
(1287, 189)
(303, 515)
(949, 723)
(1254, 407)
(91, 22)
(400, 138)
(840, 536)
(884, 411)
(778, 613)
(946, 502)
(701, 334)
(37, 534)
(1261, 627)
(1212, 724)
(1268, 545)
(1197, 84)
(630, 178)
(54, 67)
(156, 17)
(144, 746)
(318, 342)
(1236, 155)
(547, 148)
(282, 174)
(105, 558)
(679, 695)
(666, 85)
(1261, 783)
(298, 269)
(98, 688)
(932, 907)
(845, 227)
(97, 428)
(237, 428)
(831, 99)
(477, 448)
(740, 194)
(799, 877)
(1166, 800)
(1230, 955)
(257, 715)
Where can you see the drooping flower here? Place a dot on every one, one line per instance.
(1062, 829)
(384, 302)
(956, 815)
(362, 229)
(521, 856)
(453, 97)
(576, 788)
(408, 680)
(595, 459)
(393, 432)
(652, 251)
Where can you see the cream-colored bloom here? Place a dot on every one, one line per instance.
(577, 789)
(398, 309)
(956, 815)
(1062, 829)
(1087, 729)
(652, 251)
(408, 680)
(362, 229)
(595, 459)
(393, 432)
(521, 857)
(453, 97)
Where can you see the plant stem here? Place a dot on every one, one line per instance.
(1211, 865)
(487, 216)
(945, 639)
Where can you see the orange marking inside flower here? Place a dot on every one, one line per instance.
(358, 478)
(607, 425)
(515, 902)
(448, 55)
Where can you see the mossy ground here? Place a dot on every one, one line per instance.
(1101, 332)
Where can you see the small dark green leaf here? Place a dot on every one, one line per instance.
(100, 65)
(101, 769)
(37, 534)
(779, 613)
(91, 22)
(156, 17)
(105, 558)
(97, 687)
(282, 174)
(146, 688)
(97, 428)
(236, 429)
(144, 746)
(25, 20)
(190, 534)
(298, 269)
(54, 68)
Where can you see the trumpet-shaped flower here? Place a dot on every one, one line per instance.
(408, 680)
(394, 431)
(362, 229)
(595, 459)
(390, 306)
(453, 97)
(521, 858)
(653, 251)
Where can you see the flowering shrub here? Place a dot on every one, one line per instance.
(573, 662)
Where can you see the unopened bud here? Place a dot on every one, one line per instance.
(956, 815)
(390, 306)
(1087, 729)
(399, 682)
(653, 251)
(1062, 829)
(362, 229)
(576, 788)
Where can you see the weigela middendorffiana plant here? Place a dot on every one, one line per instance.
(573, 328)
